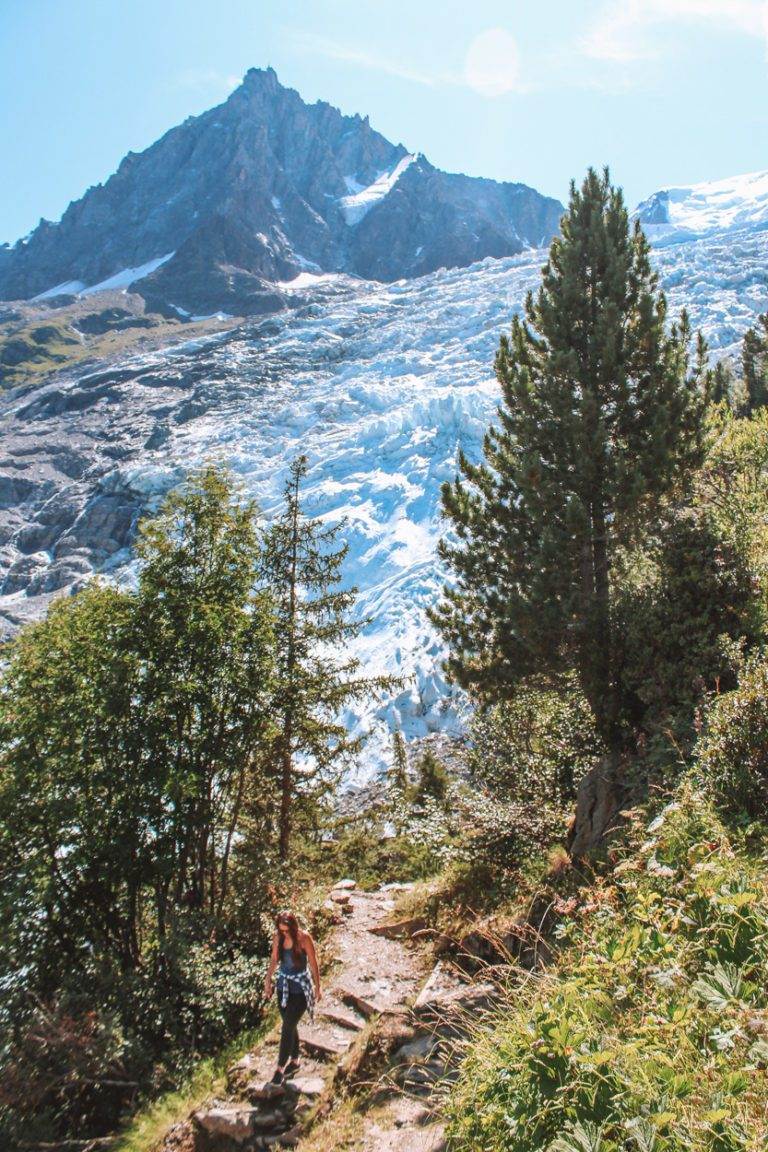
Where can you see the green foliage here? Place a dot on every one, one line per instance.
(132, 732)
(732, 754)
(536, 746)
(733, 486)
(722, 385)
(600, 419)
(432, 780)
(645, 1032)
(754, 362)
(526, 757)
(301, 566)
(398, 776)
(685, 626)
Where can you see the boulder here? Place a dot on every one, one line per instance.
(402, 929)
(229, 1121)
(307, 1085)
(445, 995)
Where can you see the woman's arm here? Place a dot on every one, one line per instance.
(309, 948)
(270, 970)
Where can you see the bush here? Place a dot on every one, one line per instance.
(525, 760)
(685, 628)
(732, 755)
(647, 1032)
(538, 745)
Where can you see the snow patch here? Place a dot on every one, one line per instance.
(127, 276)
(120, 280)
(359, 203)
(307, 280)
(675, 214)
(67, 288)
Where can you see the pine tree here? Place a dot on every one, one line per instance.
(399, 772)
(600, 419)
(754, 360)
(302, 569)
(721, 383)
(431, 779)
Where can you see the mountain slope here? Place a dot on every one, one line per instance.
(259, 189)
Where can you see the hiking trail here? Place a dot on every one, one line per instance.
(387, 1022)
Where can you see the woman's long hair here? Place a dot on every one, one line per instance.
(289, 918)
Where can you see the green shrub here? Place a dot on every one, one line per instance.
(732, 755)
(536, 746)
(646, 1034)
(525, 760)
(432, 779)
(685, 627)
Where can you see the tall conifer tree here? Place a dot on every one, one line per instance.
(754, 360)
(600, 419)
(316, 677)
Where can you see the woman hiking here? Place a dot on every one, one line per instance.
(294, 951)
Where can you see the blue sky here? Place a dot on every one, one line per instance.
(665, 91)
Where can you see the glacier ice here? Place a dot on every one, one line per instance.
(380, 385)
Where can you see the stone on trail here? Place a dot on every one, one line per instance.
(228, 1120)
(243, 1071)
(333, 910)
(325, 1042)
(401, 930)
(307, 1085)
(345, 885)
(263, 1090)
(340, 897)
(340, 1016)
(445, 994)
(365, 1007)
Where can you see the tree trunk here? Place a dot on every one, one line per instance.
(598, 803)
(286, 790)
(286, 751)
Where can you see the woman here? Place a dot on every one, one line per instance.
(294, 951)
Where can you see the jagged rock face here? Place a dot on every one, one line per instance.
(255, 190)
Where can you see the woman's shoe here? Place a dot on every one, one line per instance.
(291, 1068)
(279, 1077)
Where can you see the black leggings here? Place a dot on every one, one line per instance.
(289, 1034)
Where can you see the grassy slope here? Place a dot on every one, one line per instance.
(650, 1031)
(151, 1123)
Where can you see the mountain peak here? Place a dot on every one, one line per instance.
(233, 202)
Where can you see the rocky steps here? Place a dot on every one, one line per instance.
(384, 1032)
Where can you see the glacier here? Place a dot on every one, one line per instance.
(379, 385)
(674, 214)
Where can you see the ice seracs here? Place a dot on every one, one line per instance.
(379, 384)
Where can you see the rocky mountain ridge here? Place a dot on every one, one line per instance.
(229, 207)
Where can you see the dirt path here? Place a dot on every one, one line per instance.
(375, 1061)
(372, 977)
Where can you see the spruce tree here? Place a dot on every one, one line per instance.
(754, 360)
(600, 419)
(316, 678)
(721, 383)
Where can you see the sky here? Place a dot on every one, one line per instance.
(667, 92)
